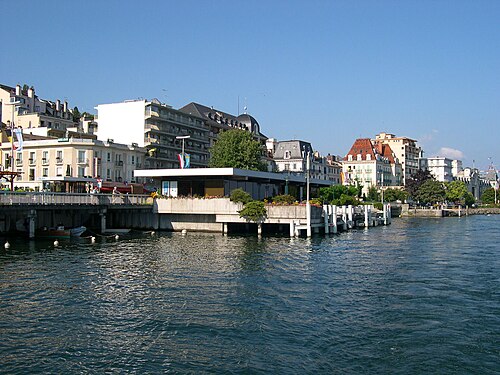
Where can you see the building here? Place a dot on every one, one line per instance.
(440, 167)
(67, 164)
(472, 179)
(368, 164)
(219, 121)
(31, 111)
(290, 157)
(405, 150)
(155, 126)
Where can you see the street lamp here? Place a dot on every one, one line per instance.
(183, 137)
(14, 104)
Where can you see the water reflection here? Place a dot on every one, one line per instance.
(414, 296)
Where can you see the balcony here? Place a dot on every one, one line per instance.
(119, 163)
(19, 162)
(45, 161)
(32, 161)
(82, 161)
(59, 160)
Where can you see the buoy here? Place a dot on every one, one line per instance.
(184, 232)
(153, 233)
(7, 245)
(117, 237)
(56, 243)
(92, 239)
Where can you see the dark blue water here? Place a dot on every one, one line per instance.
(420, 296)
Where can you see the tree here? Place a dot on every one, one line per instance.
(76, 114)
(456, 191)
(469, 199)
(373, 194)
(240, 195)
(488, 196)
(254, 211)
(237, 149)
(339, 194)
(416, 180)
(392, 195)
(431, 191)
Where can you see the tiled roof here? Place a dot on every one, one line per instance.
(361, 146)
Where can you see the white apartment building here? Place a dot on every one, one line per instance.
(369, 164)
(67, 164)
(155, 126)
(405, 150)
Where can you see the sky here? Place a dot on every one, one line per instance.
(326, 72)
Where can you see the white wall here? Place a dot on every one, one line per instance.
(122, 122)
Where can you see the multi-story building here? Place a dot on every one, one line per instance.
(219, 121)
(440, 167)
(291, 157)
(155, 126)
(472, 179)
(406, 151)
(67, 164)
(31, 111)
(368, 164)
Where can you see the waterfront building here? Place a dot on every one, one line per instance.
(405, 150)
(290, 157)
(476, 185)
(31, 111)
(155, 126)
(218, 121)
(368, 164)
(67, 164)
(440, 167)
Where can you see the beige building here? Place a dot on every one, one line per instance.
(67, 164)
(31, 111)
(406, 151)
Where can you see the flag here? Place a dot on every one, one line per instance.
(187, 161)
(19, 135)
(181, 160)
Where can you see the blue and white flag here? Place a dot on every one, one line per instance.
(187, 160)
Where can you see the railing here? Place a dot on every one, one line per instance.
(8, 198)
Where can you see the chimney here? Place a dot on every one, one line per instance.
(58, 105)
(31, 92)
(18, 89)
(65, 106)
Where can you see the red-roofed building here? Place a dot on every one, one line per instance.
(371, 164)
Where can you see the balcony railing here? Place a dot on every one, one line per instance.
(44, 198)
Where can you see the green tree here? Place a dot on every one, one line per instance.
(236, 149)
(392, 195)
(240, 195)
(254, 211)
(373, 194)
(456, 191)
(469, 199)
(416, 180)
(76, 114)
(488, 196)
(431, 191)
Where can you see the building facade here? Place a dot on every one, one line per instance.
(155, 126)
(67, 164)
(405, 150)
(31, 111)
(368, 164)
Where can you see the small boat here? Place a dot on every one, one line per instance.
(59, 232)
(116, 230)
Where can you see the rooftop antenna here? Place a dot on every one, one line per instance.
(245, 107)
(165, 94)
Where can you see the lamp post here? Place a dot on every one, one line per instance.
(308, 204)
(183, 137)
(12, 127)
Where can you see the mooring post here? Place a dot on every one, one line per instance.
(326, 219)
(334, 218)
(366, 216)
(349, 215)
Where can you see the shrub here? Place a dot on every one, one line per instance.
(240, 195)
(284, 199)
(254, 211)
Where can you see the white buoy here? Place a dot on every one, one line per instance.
(7, 245)
(117, 237)
(184, 232)
(56, 243)
(153, 233)
(92, 239)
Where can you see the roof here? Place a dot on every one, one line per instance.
(230, 173)
(363, 147)
(295, 149)
(217, 118)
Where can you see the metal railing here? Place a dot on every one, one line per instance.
(8, 198)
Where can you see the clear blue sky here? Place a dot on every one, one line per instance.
(326, 72)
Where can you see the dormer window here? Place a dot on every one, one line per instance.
(288, 154)
(349, 157)
(368, 157)
(358, 157)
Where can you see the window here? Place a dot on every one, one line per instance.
(59, 156)
(32, 174)
(108, 158)
(358, 157)
(81, 171)
(81, 156)
(19, 171)
(349, 157)
(133, 159)
(287, 155)
(59, 171)
(45, 172)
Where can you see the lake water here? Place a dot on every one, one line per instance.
(419, 296)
